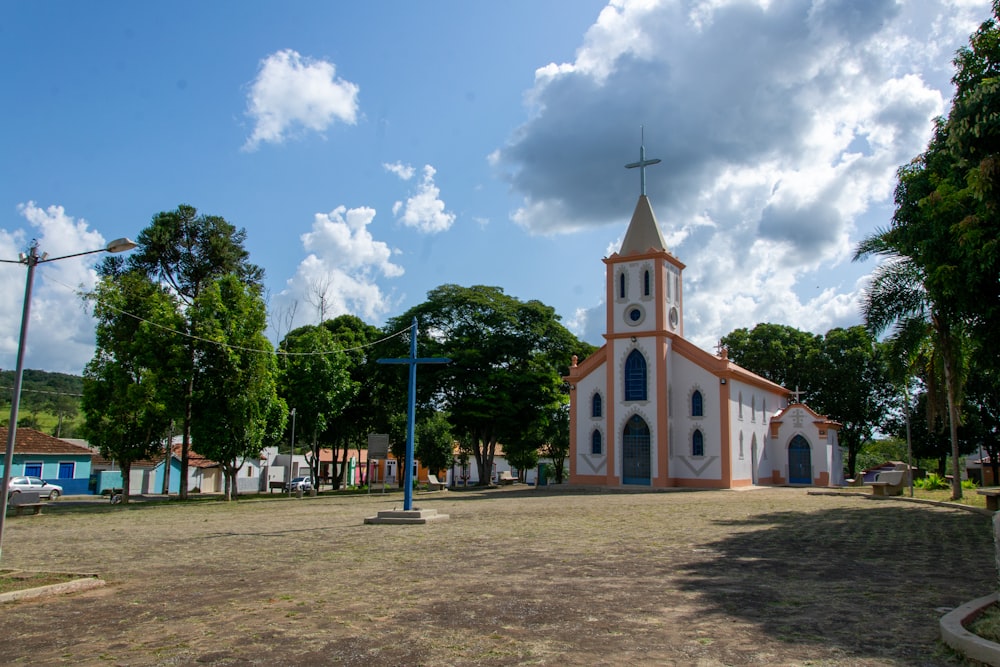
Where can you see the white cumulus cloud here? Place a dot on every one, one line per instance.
(60, 330)
(292, 93)
(424, 211)
(341, 270)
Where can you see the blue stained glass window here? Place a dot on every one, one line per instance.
(635, 377)
(697, 443)
(697, 408)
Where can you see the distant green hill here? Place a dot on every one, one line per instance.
(50, 402)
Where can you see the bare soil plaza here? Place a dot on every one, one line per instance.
(767, 576)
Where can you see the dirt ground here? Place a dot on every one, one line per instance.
(515, 576)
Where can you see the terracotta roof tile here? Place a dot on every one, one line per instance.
(30, 441)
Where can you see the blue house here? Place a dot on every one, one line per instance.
(39, 455)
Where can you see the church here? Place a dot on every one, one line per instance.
(650, 408)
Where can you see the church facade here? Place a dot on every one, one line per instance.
(650, 408)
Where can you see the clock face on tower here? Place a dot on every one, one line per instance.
(675, 317)
(634, 315)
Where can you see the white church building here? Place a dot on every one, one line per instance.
(649, 408)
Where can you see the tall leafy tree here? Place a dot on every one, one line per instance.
(777, 352)
(507, 360)
(124, 403)
(856, 390)
(379, 402)
(188, 251)
(316, 381)
(237, 409)
(901, 295)
(972, 182)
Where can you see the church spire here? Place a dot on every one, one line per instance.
(643, 232)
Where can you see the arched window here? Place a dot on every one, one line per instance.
(740, 410)
(596, 444)
(741, 445)
(635, 377)
(753, 408)
(697, 443)
(697, 407)
(645, 283)
(596, 406)
(621, 285)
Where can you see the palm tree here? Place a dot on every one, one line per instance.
(898, 296)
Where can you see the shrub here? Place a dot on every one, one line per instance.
(931, 482)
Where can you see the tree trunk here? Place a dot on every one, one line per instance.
(186, 440)
(126, 474)
(950, 382)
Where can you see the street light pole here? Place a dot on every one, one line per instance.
(291, 453)
(31, 260)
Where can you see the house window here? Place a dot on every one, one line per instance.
(697, 407)
(67, 470)
(33, 469)
(596, 443)
(635, 377)
(697, 443)
(645, 283)
(596, 406)
(621, 285)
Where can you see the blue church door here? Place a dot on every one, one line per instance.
(635, 452)
(799, 461)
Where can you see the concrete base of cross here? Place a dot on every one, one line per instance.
(397, 517)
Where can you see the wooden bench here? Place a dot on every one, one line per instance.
(433, 484)
(992, 498)
(888, 483)
(271, 486)
(26, 499)
(506, 478)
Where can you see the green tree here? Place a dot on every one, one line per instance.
(380, 400)
(556, 447)
(972, 183)
(777, 352)
(236, 408)
(188, 252)
(855, 389)
(316, 381)
(507, 361)
(126, 414)
(434, 446)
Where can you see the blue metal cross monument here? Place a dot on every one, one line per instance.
(411, 412)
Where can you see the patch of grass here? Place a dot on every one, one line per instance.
(19, 580)
(987, 624)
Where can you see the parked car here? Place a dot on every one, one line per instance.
(44, 489)
(301, 484)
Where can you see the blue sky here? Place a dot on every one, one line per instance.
(375, 150)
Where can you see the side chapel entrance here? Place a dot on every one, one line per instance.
(799, 461)
(635, 452)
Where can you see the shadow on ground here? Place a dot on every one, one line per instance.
(873, 581)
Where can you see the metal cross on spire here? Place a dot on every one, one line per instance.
(642, 163)
(797, 394)
(411, 413)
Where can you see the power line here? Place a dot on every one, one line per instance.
(278, 352)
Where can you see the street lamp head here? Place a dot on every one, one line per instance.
(121, 245)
